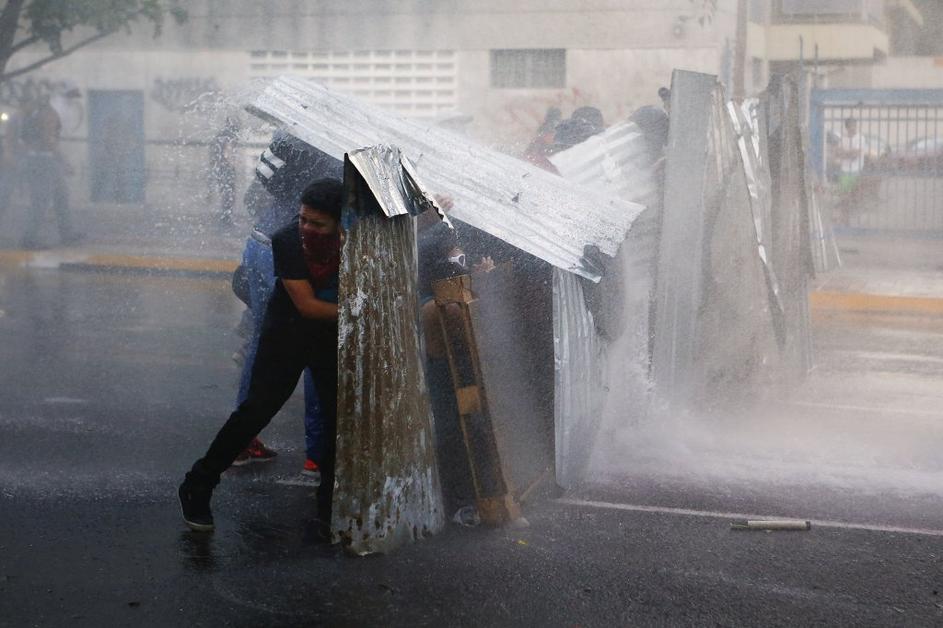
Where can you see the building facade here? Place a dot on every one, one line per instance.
(493, 68)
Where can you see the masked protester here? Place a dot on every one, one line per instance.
(299, 330)
(283, 171)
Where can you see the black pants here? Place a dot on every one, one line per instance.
(280, 360)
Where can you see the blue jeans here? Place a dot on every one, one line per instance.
(257, 258)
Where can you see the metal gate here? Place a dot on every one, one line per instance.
(880, 154)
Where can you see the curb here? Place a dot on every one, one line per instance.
(128, 264)
(820, 302)
(862, 303)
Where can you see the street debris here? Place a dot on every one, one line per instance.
(769, 525)
(467, 516)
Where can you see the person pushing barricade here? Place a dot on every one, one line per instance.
(299, 330)
(286, 167)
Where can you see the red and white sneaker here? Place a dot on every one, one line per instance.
(312, 471)
(255, 452)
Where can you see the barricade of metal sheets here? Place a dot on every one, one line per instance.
(521, 204)
(387, 491)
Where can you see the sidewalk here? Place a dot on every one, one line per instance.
(878, 276)
(131, 239)
(883, 276)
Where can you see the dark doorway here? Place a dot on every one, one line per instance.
(116, 146)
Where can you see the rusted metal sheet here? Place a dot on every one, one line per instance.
(387, 489)
(534, 210)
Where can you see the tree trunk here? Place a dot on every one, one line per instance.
(9, 19)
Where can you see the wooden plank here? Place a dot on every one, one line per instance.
(469, 399)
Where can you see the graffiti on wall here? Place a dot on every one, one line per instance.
(182, 94)
(17, 92)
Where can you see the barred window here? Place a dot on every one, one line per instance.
(423, 89)
(540, 68)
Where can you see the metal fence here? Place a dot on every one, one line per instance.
(880, 154)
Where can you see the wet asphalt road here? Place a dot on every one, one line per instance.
(111, 386)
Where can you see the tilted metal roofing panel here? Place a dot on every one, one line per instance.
(616, 160)
(538, 212)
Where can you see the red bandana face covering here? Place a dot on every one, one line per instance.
(322, 252)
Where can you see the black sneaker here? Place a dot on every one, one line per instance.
(195, 505)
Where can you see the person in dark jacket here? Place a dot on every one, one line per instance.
(283, 171)
(299, 331)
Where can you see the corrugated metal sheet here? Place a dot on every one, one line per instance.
(580, 378)
(393, 180)
(714, 329)
(523, 205)
(752, 142)
(615, 161)
(601, 336)
(387, 488)
(680, 277)
(824, 246)
(790, 250)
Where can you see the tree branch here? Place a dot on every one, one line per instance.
(65, 52)
(29, 41)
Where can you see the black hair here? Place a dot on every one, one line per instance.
(326, 195)
(653, 122)
(590, 115)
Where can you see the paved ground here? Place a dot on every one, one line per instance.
(112, 384)
(127, 231)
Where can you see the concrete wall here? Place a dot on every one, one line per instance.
(619, 52)
(176, 136)
(908, 72)
(892, 73)
(434, 24)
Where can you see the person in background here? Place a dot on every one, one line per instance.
(223, 171)
(282, 173)
(664, 94)
(541, 147)
(854, 152)
(579, 127)
(299, 330)
(442, 256)
(45, 170)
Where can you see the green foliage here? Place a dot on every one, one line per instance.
(50, 19)
(67, 25)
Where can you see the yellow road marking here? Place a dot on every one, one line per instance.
(825, 302)
(203, 265)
